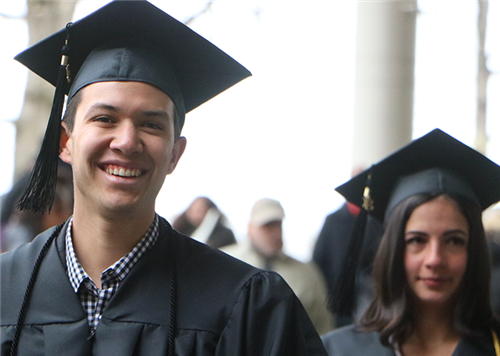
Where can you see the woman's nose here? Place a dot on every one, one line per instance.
(434, 254)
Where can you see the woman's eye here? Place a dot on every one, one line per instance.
(416, 240)
(457, 241)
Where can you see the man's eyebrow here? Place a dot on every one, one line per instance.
(109, 107)
(103, 106)
(159, 113)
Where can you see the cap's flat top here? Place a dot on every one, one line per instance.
(202, 69)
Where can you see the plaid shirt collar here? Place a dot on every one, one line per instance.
(120, 269)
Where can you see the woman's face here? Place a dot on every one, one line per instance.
(436, 240)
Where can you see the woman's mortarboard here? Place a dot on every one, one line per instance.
(436, 163)
(122, 41)
(433, 150)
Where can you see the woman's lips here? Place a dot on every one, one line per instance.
(434, 282)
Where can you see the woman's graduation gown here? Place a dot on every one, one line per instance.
(347, 341)
(222, 306)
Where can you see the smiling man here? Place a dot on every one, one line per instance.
(116, 279)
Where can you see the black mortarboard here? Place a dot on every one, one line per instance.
(123, 41)
(435, 163)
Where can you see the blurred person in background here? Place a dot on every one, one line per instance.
(203, 221)
(20, 227)
(264, 249)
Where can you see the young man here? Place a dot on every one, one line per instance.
(116, 279)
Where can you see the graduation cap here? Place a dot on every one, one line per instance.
(122, 41)
(435, 163)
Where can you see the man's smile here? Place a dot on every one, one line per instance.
(122, 171)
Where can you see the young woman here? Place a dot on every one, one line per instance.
(432, 268)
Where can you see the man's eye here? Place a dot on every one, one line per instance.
(103, 119)
(153, 125)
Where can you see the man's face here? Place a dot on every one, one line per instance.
(121, 147)
(267, 239)
(197, 211)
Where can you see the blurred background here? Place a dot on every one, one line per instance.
(335, 85)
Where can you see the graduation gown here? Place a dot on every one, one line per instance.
(223, 306)
(346, 342)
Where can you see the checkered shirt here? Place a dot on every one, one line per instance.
(93, 299)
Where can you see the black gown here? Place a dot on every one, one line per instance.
(223, 306)
(348, 342)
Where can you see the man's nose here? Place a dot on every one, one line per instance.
(127, 139)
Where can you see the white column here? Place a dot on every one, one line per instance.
(385, 60)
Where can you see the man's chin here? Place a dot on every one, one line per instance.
(123, 208)
(269, 254)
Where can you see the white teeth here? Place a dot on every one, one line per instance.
(122, 172)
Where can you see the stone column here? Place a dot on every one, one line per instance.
(385, 58)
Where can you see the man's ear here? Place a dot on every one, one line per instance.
(179, 148)
(64, 144)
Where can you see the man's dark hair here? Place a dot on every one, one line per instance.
(390, 314)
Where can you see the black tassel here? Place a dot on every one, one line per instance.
(40, 192)
(343, 300)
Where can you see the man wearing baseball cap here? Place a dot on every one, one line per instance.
(264, 249)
